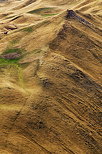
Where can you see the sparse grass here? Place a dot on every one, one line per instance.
(39, 10)
(47, 15)
(45, 12)
(28, 29)
(5, 61)
(14, 68)
(15, 41)
(37, 51)
(11, 50)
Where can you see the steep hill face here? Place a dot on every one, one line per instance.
(50, 77)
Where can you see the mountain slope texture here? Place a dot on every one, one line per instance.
(50, 76)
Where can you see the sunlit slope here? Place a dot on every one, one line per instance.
(50, 77)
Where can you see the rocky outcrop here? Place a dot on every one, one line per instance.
(72, 15)
(11, 56)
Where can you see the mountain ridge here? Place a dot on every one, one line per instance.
(50, 77)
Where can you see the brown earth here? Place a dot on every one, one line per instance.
(50, 98)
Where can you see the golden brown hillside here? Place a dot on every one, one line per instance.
(50, 77)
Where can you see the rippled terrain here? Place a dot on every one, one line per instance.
(50, 76)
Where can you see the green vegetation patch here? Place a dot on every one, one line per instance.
(12, 50)
(45, 12)
(11, 56)
(14, 68)
(4, 61)
(12, 65)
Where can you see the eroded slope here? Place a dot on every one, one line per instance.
(50, 92)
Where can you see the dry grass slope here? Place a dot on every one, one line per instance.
(50, 77)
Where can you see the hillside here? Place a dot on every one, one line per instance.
(50, 77)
